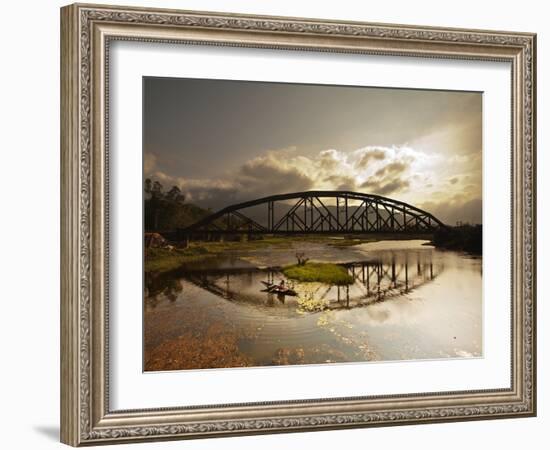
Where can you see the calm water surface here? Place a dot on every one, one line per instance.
(409, 301)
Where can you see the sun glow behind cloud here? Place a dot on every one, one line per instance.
(224, 141)
(399, 172)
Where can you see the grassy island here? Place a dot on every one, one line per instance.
(321, 272)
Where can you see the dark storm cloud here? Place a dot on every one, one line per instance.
(266, 176)
(374, 154)
(390, 178)
(260, 177)
(200, 127)
(224, 142)
(386, 188)
(392, 169)
(342, 182)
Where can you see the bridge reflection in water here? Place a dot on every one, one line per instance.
(374, 281)
(408, 301)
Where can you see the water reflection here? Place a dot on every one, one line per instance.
(374, 281)
(405, 303)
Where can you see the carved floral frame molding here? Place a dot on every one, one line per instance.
(86, 32)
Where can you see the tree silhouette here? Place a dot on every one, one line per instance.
(167, 210)
(148, 186)
(175, 195)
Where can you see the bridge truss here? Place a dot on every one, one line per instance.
(318, 212)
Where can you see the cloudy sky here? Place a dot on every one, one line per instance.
(223, 142)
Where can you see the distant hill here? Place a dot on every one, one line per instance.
(168, 211)
(167, 215)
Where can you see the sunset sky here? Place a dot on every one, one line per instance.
(224, 142)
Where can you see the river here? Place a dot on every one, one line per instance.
(409, 301)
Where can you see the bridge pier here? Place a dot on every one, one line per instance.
(407, 276)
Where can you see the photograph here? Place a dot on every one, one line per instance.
(291, 224)
(287, 220)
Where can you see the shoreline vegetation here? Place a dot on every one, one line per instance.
(173, 257)
(467, 238)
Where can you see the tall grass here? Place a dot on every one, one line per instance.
(321, 272)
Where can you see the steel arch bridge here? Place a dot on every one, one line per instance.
(318, 212)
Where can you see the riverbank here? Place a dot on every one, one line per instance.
(466, 238)
(408, 301)
(164, 259)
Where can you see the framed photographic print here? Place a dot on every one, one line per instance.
(276, 225)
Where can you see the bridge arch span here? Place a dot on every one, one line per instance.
(318, 212)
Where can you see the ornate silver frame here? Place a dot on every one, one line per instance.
(86, 31)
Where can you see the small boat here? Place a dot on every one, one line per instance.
(276, 289)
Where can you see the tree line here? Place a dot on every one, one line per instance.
(168, 210)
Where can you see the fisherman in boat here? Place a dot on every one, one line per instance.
(279, 288)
